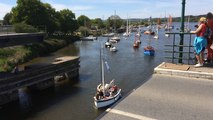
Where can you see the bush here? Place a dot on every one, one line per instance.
(24, 28)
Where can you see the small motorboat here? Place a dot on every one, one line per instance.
(149, 50)
(135, 45)
(89, 38)
(108, 44)
(113, 49)
(113, 41)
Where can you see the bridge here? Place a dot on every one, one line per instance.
(37, 78)
(12, 39)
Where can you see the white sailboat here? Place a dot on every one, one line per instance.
(169, 25)
(127, 33)
(157, 29)
(107, 94)
(156, 34)
(187, 28)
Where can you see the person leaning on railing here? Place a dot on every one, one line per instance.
(209, 18)
(200, 42)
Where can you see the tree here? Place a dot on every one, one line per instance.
(84, 21)
(114, 22)
(31, 12)
(67, 21)
(98, 22)
(7, 20)
(35, 13)
(52, 22)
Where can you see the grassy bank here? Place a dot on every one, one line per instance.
(11, 56)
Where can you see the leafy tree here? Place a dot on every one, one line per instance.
(35, 13)
(52, 22)
(98, 22)
(24, 28)
(84, 21)
(7, 19)
(83, 30)
(114, 22)
(31, 12)
(67, 21)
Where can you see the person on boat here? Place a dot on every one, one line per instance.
(99, 95)
(200, 42)
(15, 69)
(209, 18)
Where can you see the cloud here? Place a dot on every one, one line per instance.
(4, 10)
(59, 6)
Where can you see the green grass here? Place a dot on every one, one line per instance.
(20, 54)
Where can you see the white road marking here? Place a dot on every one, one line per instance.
(132, 115)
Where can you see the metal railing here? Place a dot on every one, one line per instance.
(177, 51)
(7, 29)
(10, 29)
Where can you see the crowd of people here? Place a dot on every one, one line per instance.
(203, 40)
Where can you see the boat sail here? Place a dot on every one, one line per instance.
(127, 33)
(169, 25)
(107, 94)
(157, 29)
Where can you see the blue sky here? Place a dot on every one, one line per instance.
(132, 8)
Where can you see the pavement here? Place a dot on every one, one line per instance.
(174, 92)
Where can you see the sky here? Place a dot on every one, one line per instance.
(123, 8)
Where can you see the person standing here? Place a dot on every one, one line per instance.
(209, 18)
(200, 42)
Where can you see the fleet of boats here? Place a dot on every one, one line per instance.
(109, 93)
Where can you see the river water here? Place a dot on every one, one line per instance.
(67, 101)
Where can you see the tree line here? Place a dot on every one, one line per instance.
(35, 14)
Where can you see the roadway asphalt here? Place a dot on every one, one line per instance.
(166, 97)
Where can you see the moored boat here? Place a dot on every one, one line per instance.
(149, 50)
(106, 94)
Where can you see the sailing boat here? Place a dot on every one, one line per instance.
(157, 29)
(85, 37)
(187, 29)
(127, 33)
(149, 50)
(169, 25)
(156, 34)
(116, 37)
(107, 94)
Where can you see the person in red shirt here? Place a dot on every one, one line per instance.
(209, 18)
(200, 42)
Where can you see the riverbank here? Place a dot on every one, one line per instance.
(11, 56)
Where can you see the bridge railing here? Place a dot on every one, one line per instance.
(177, 50)
(7, 29)
(10, 29)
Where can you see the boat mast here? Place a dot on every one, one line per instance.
(102, 72)
(127, 26)
(188, 22)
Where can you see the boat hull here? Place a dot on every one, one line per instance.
(149, 52)
(107, 101)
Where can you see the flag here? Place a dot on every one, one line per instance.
(106, 64)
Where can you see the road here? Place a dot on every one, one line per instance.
(166, 98)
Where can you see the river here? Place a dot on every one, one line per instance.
(67, 101)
